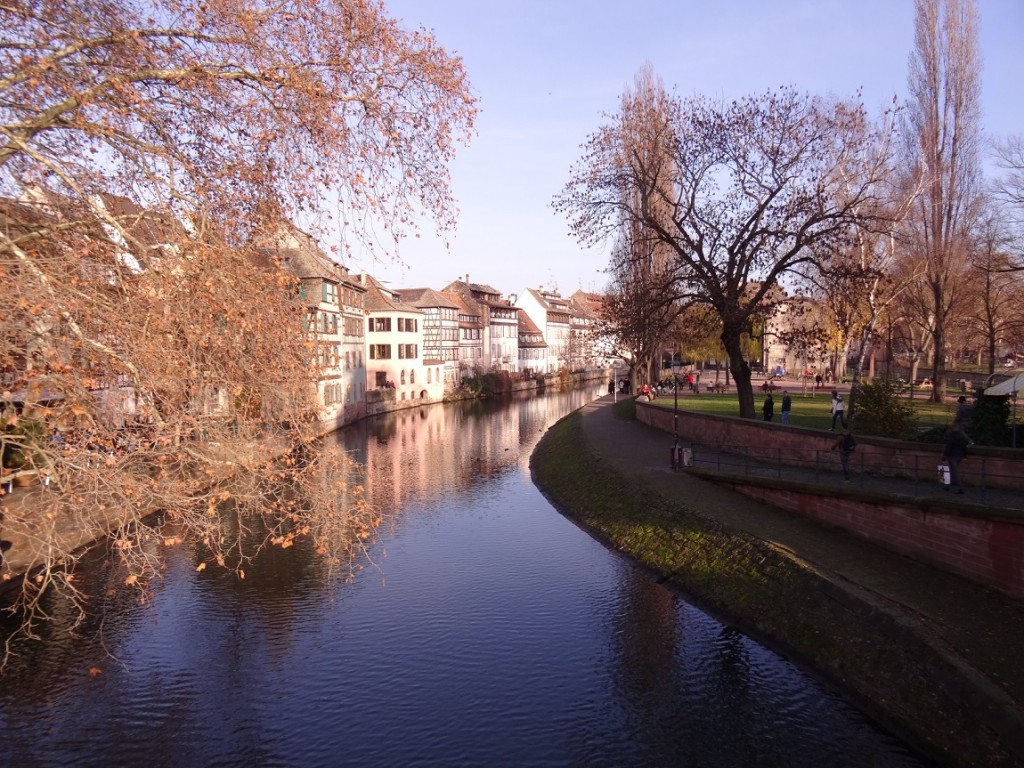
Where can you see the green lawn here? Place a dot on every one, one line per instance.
(811, 410)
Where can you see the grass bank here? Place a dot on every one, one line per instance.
(811, 410)
(893, 671)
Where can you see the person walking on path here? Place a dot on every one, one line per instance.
(954, 452)
(838, 411)
(845, 445)
(787, 406)
(963, 417)
(768, 409)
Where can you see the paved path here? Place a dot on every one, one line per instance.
(982, 628)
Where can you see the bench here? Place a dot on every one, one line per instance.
(717, 388)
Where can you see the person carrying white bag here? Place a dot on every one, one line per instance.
(953, 453)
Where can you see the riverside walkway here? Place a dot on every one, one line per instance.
(977, 628)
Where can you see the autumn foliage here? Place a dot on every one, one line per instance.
(150, 360)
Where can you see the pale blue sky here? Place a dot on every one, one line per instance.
(547, 70)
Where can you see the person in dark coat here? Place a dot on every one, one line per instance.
(787, 406)
(768, 409)
(953, 453)
(845, 445)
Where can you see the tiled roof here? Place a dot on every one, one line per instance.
(379, 299)
(425, 297)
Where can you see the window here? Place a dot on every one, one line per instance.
(329, 293)
(381, 379)
(379, 324)
(412, 377)
(380, 351)
(401, 377)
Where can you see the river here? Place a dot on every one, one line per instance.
(481, 629)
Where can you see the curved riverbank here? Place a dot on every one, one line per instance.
(886, 656)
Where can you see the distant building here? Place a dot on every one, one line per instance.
(552, 315)
(471, 333)
(589, 345)
(500, 321)
(533, 350)
(396, 373)
(334, 304)
(440, 330)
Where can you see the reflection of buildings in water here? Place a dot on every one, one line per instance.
(648, 640)
(423, 452)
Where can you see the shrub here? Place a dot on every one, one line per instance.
(881, 411)
(988, 425)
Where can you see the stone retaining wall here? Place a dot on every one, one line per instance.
(981, 544)
(986, 550)
(802, 447)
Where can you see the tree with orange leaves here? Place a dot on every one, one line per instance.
(148, 353)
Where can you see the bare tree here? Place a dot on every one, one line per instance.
(943, 131)
(1009, 190)
(644, 301)
(635, 312)
(996, 288)
(148, 351)
(1010, 157)
(742, 194)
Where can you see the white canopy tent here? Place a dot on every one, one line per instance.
(1013, 384)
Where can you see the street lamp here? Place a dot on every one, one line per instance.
(676, 365)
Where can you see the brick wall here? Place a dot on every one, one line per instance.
(801, 447)
(987, 547)
(986, 550)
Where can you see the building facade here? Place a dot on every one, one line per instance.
(396, 374)
(552, 315)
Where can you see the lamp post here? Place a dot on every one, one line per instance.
(676, 365)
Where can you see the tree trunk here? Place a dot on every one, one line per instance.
(740, 371)
(938, 362)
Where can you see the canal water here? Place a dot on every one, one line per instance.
(482, 629)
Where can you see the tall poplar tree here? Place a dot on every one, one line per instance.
(943, 134)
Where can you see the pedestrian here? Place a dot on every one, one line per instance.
(838, 411)
(954, 452)
(817, 381)
(768, 409)
(963, 417)
(845, 444)
(787, 406)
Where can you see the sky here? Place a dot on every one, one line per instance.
(547, 72)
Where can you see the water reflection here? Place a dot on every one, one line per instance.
(429, 452)
(485, 629)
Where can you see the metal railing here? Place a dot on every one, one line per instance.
(919, 480)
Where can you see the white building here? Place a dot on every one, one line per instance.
(552, 315)
(334, 303)
(396, 374)
(440, 330)
(499, 321)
